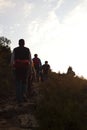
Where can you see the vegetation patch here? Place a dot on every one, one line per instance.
(62, 103)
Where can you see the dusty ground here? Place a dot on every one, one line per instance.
(15, 117)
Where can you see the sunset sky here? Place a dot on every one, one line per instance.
(54, 29)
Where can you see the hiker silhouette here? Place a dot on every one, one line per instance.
(45, 70)
(21, 63)
(37, 65)
(70, 72)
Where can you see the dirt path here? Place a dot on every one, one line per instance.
(15, 117)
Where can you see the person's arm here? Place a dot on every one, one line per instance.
(49, 67)
(12, 58)
(40, 62)
(30, 60)
(49, 70)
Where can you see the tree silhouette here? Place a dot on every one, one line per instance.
(4, 42)
(5, 71)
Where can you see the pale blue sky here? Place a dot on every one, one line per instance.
(54, 29)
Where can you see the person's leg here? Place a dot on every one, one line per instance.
(19, 91)
(41, 76)
(17, 85)
(24, 86)
(37, 75)
(45, 76)
(29, 86)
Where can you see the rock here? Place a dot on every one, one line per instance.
(27, 121)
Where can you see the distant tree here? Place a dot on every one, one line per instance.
(4, 42)
(5, 70)
(5, 51)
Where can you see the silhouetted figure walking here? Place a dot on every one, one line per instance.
(45, 70)
(70, 72)
(21, 62)
(37, 66)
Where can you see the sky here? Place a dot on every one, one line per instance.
(54, 29)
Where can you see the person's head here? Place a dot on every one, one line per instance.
(21, 42)
(46, 62)
(35, 55)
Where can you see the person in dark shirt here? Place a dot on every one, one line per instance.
(21, 62)
(45, 70)
(37, 65)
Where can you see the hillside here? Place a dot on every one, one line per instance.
(60, 103)
(57, 104)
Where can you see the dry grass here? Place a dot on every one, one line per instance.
(63, 103)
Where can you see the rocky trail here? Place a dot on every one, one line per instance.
(18, 117)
